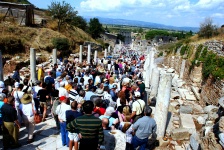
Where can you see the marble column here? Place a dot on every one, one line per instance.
(182, 69)
(89, 54)
(105, 53)
(146, 71)
(1, 67)
(95, 56)
(33, 64)
(55, 56)
(80, 54)
(109, 49)
(162, 103)
(154, 82)
(151, 63)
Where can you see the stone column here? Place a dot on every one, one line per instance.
(95, 56)
(55, 56)
(146, 71)
(80, 54)
(105, 53)
(162, 103)
(1, 67)
(89, 54)
(182, 69)
(109, 49)
(151, 63)
(33, 64)
(154, 82)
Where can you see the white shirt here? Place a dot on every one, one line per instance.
(61, 109)
(17, 95)
(62, 92)
(27, 109)
(86, 78)
(35, 90)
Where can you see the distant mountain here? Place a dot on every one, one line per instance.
(141, 24)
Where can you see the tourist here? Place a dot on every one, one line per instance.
(2, 97)
(61, 111)
(35, 90)
(113, 92)
(16, 75)
(98, 107)
(49, 80)
(40, 73)
(43, 95)
(143, 128)
(62, 90)
(18, 94)
(11, 124)
(108, 114)
(137, 107)
(88, 127)
(73, 94)
(70, 116)
(28, 111)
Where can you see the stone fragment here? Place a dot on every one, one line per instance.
(170, 70)
(210, 108)
(186, 121)
(180, 134)
(189, 96)
(163, 143)
(176, 122)
(197, 109)
(175, 95)
(174, 106)
(186, 109)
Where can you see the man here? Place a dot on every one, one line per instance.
(107, 115)
(62, 90)
(141, 88)
(90, 93)
(143, 128)
(49, 80)
(61, 112)
(35, 90)
(11, 124)
(2, 97)
(73, 94)
(43, 95)
(113, 92)
(88, 127)
(137, 107)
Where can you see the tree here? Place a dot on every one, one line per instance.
(63, 12)
(95, 28)
(207, 29)
(79, 22)
(140, 30)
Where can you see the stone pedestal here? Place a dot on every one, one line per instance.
(33, 64)
(154, 82)
(80, 54)
(162, 103)
(54, 56)
(1, 67)
(89, 54)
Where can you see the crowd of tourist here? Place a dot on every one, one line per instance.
(89, 103)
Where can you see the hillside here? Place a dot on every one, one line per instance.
(17, 1)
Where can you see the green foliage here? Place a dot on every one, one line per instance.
(198, 51)
(203, 54)
(160, 54)
(11, 45)
(207, 29)
(184, 49)
(177, 46)
(61, 43)
(95, 28)
(79, 22)
(63, 12)
(140, 30)
(152, 33)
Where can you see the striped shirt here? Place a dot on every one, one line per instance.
(89, 126)
(73, 95)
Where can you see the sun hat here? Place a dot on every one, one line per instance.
(99, 92)
(137, 94)
(26, 99)
(2, 85)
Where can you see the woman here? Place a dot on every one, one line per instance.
(28, 111)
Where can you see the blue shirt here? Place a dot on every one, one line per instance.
(88, 95)
(1, 104)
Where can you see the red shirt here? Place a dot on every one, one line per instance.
(99, 110)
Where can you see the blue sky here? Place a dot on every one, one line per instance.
(169, 12)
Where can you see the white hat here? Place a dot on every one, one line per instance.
(2, 85)
(221, 102)
(137, 94)
(62, 84)
(16, 84)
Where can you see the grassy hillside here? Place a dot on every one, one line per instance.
(17, 1)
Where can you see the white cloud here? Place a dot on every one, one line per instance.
(101, 5)
(218, 15)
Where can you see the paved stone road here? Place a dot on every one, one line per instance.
(47, 137)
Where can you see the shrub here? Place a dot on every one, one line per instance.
(11, 45)
(61, 43)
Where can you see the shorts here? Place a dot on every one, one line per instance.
(43, 104)
(73, 136)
